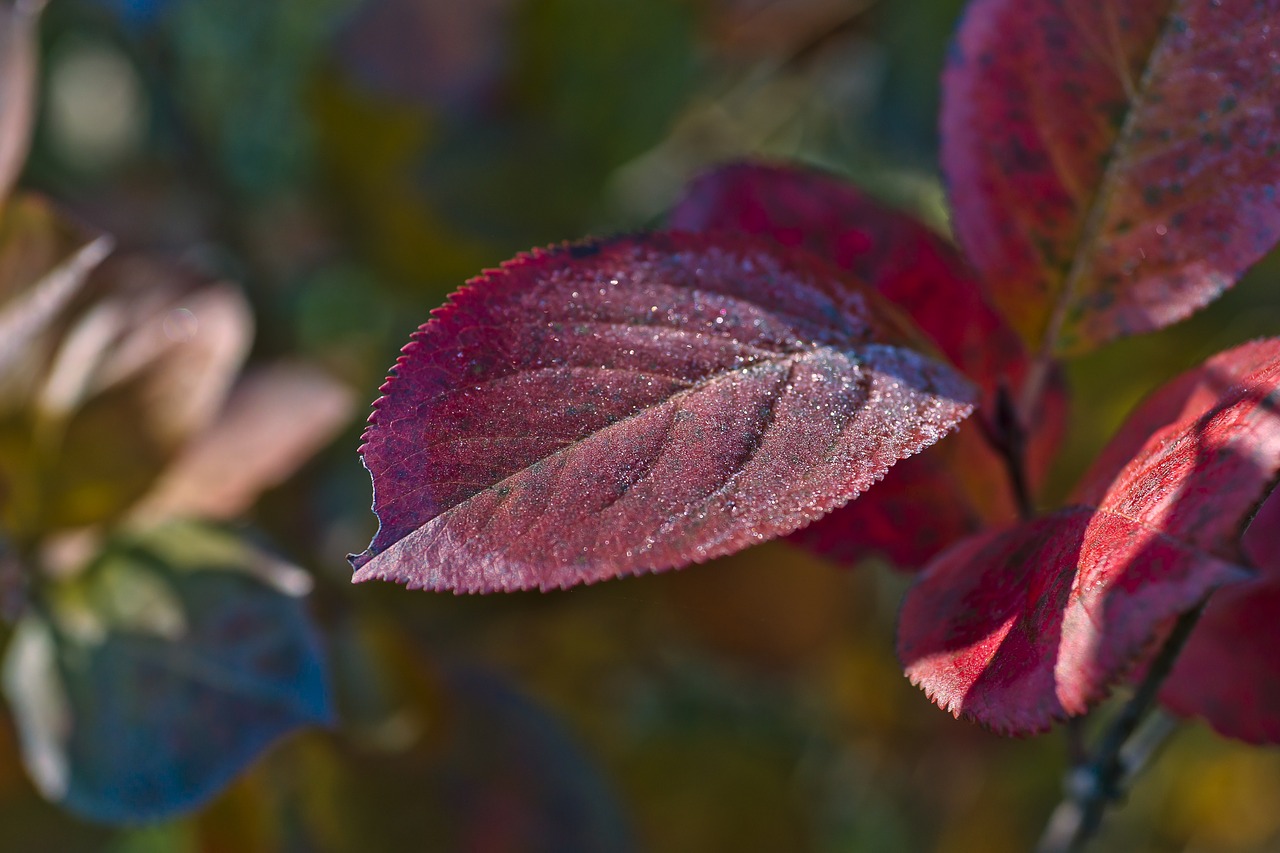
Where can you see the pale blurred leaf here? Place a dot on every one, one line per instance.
(18, 58)
(275, 419)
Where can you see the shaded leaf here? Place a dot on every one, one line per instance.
(638, 404)
(18, 58)
(924, 504)
(160, 678)
(1228, 672)
(1112, 166)
(275, 419)
(1180, 401)
(1020, 627)
(1043, 617)
(929, 501)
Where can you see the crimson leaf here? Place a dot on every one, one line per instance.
(1042, 618)
(637, 404)
(1112, 166)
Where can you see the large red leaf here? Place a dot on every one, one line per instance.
(931, 500)
(638, 404)
(1112, 162)
(1166, 530)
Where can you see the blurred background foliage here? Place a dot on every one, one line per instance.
(349, 163)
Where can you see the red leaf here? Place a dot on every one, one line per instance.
(637, 404)
(1179, 401)
(1112, 165)
(1021, 627)
(1229, 672)
(929, 501)
(1202, 475)
(923, 505)
(1171, 523)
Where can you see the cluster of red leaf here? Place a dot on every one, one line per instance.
(641, 403)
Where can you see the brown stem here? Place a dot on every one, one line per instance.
(1094, 784)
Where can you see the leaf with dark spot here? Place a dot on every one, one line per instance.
(665, 400)
(1112, 166)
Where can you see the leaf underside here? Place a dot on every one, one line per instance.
(635, 405)
(1113, 163)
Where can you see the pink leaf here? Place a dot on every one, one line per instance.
(637, 404)
(1112, 166)
(929, 501)
(1165, 531)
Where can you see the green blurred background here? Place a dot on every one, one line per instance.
(350, 163)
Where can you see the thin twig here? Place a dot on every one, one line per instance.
(1095, 784)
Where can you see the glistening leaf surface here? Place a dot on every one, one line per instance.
(1041, 619)
(931, 500)
(1112, 166)
(638, 404)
